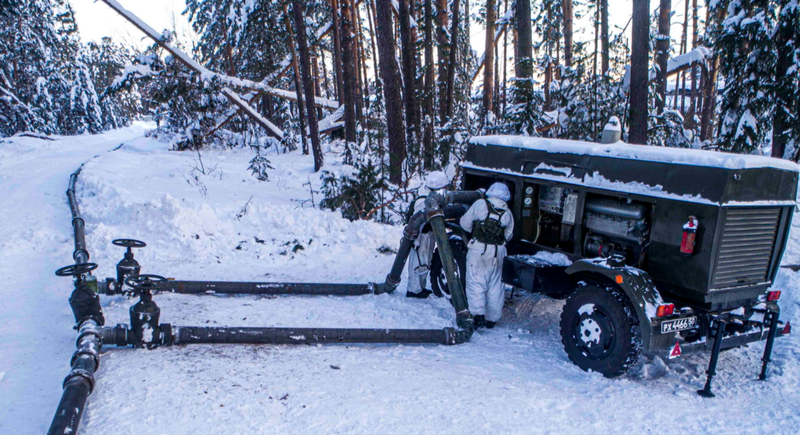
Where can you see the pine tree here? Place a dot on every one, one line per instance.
(747, 62)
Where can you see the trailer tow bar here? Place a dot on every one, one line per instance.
(712, 364)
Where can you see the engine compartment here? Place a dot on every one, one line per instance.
(604, 226)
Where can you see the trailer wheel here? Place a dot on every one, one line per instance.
(600, 330)
(438, 278)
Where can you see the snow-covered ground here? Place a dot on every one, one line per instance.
(513, 379)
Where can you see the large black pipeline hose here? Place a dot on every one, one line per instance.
(79, 383)
(81, 255)
(265, 288)
(411, 232)
(206, 335)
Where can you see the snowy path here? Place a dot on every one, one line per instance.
(36, 336)
(514, 379)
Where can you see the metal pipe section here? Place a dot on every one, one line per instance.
(168, 335)
(436, 219)
(79, 383)
(206, 335)
(267, 288)
(452, 204)
(80, 255)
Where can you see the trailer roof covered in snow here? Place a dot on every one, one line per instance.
(676, 173)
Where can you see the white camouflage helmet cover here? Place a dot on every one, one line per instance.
(436, 180)
(500, 191)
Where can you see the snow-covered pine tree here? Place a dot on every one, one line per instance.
(748, 58)
(106, 61)
(786, 118)
(44, 83)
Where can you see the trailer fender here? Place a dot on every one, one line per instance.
(636, 284)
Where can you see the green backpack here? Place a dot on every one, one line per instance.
(489, 231)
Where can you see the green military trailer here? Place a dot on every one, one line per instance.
(656, 250)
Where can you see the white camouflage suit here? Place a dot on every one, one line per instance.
(419, 260)
(485, 289)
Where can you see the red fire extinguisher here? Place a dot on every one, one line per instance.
(689, 235)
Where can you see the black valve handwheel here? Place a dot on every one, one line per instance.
(76, 269)
(142, 281)
(129, 243)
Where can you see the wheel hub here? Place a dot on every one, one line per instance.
(590, 332)
(594, 333)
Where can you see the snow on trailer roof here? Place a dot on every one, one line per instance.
(687, 175)
(621, 150)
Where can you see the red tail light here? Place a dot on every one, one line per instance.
(773, 295)
(787, 329)
(665, 310)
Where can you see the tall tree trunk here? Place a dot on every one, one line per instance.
(297, 80)
(566, 6)
(409, 73)
(308, 83)
(355, 41)
(786, 107)
(315, 77)
(451, 62)
(524, 63)
(451, 77)
(442, 53)
(350, 87)
(488, 60)
(695, 35)
(662, 54)
(337, 51)
(684, 48)
(640, 48)
(710, 84)
(427, 107)
(604, 34)
(390, 76)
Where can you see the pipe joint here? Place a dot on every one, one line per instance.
(80, 375)
(90, 353)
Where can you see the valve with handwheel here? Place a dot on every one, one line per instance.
(128, 266)
(145, 313)
(84, 301)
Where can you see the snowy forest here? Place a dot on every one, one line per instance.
(395, 89)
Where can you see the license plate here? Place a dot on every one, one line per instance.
(678, 325)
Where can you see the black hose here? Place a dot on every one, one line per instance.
(266, 288)
(410, 233)
(235, 335)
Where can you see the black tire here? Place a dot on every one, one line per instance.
(600, 330)
(438, 278)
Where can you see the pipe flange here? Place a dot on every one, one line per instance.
(80, 373)
(90, 353)
(434, 213)
(78, 251)
(410, 234)
(166, 334)
(82, 333)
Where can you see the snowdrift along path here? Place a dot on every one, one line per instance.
(513, 379)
